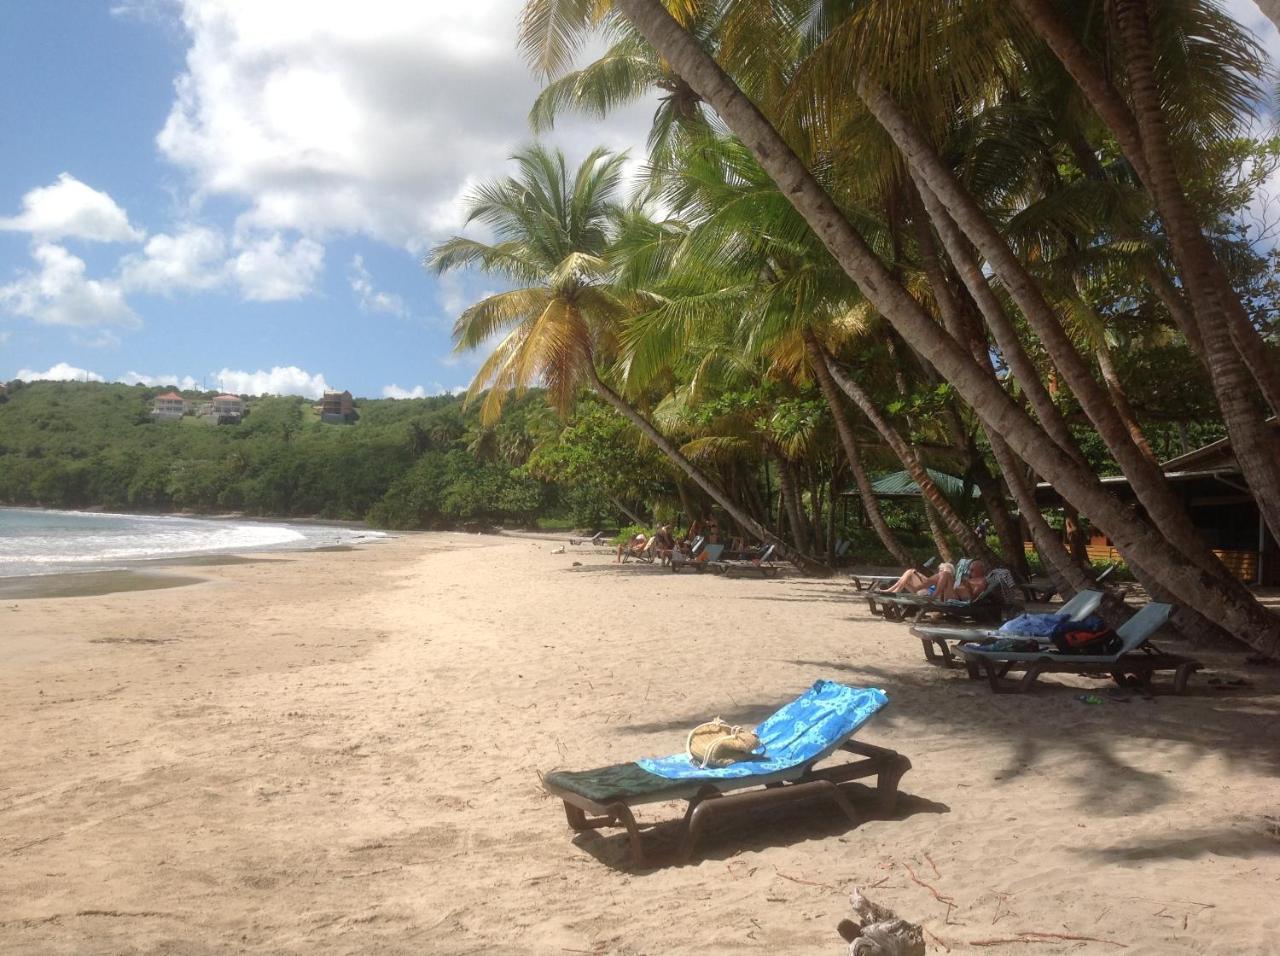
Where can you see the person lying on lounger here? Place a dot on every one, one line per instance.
(944, 585)
(974, 583)
(917, 582)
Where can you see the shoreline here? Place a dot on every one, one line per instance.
(112, 575)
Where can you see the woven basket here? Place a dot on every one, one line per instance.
(717, 744)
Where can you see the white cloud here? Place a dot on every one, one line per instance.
(1250, 13)
(101, 339)
(68, 209)
(420, 391)
(183, 382)
(59, 293)
(395, 391)
(325, 116)
(193, 258)
(62, 372)
(270, 270)
(371, 300)
(287, 380)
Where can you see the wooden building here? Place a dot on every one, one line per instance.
(1222, 507)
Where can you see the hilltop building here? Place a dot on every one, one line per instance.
(337, 408)
(169, 406)
(224, 409)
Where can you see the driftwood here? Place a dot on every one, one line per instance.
(877, 931)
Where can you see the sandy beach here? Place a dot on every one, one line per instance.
(339, 752)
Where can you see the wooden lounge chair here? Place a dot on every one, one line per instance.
(937, 638)
(1137, 660)
(605, 797)
(596, 539)
(762, 565)
(699, 561)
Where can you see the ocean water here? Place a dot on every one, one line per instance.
(47, 542)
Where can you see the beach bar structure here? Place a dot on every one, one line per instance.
(169, 406)
(1220, 503)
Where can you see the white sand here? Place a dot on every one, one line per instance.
(339, 753)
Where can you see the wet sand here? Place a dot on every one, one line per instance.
(340, 752)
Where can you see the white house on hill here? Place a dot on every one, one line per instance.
(169, 406)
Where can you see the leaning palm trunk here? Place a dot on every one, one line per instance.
(1111, 378)
(695, 474)
(1145, 477)
(1002, 329)
(791, 503)
(870, 505)
(1218, 310)
(1229, 340)
(635, 518)
(1102, 96)
(1242, 615)
(911, 462)
(938, 533)
(1065, 573)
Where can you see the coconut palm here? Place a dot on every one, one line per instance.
(553, 234)
(1147, 548)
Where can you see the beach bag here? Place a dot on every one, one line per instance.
(717, 744)
(1090, 636)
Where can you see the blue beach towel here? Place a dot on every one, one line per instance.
(1033, 625)
(808, 728)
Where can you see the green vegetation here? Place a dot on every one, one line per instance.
(422, 463)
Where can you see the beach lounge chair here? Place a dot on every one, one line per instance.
(992, 605)
(872, 582)
(1136, 660)
(1042, 590)
(596, 539)
(698, 561)
(795, 739)
(762, 565)
(646, 554)
(937, 638)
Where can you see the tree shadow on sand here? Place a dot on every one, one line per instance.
(757, 830)
(1051, 726)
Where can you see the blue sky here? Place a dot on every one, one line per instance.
(237, 193)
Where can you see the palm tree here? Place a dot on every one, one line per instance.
(553, 235)
(1143, 134)
(1147, 548)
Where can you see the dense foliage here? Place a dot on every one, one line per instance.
(420, 463)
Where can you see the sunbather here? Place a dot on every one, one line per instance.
(664, 542)
(914, 581)
(973, 583)
(632, 547)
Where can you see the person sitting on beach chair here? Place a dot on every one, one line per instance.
(968, 587)
(664, 543)
(914, 581)
(633, 547)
